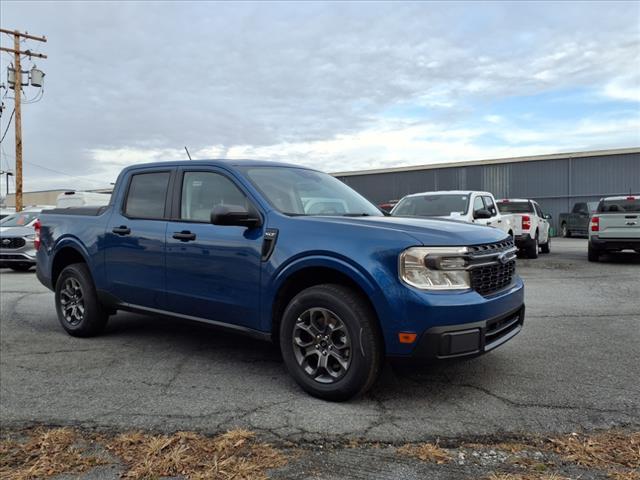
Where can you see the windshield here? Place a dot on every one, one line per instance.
(297, 191)
(432, 205)
(21, 219)
(631, 204)
(515, 207)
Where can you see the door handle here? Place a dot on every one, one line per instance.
(184, 236)
(121, 230)
(499, 221)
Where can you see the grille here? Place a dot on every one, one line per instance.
(502, 327)
(12, 242)
(12, 257)
(491, 278)
(490, 248)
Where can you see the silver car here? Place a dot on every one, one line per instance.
(17, 250)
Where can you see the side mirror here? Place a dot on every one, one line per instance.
(482, 213)
(547, 216)
(235, 215)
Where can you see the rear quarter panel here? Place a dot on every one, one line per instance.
(84, 233)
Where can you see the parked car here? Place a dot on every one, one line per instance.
(5, 212)
(615, 226)
(388, 206)
(17, 234)
(229, 243)
(82, 199)
(465, 206)
(577, 222)
(531, 226)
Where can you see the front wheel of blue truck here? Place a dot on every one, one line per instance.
(331, 343)
(77, 305)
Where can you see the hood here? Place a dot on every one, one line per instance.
(426, 231)
(16, 231)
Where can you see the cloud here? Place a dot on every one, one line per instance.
(342, 85)
(624, 88)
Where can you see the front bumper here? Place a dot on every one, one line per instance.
(469, 339)
(614, 243)
(13, 257)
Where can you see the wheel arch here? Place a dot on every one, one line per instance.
(308, 272)
(66, 253)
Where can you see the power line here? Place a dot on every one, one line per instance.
(8, 125)
(64, 173)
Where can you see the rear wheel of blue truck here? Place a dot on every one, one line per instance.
(331, 343)
(77, 305)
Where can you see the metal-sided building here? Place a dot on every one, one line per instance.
(556, 181)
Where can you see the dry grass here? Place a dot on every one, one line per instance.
(628, 475)
(427, 452)
(601, 450)
(44, 453)
(234, 454)
(525, 476)
(48, 452)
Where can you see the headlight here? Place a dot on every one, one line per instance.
(435, 268)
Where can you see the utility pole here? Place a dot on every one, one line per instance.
(17, 99)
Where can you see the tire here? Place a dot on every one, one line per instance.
(85, 317)
(532, 247)
(311, 317)
(546, 247)
(566, 233)
(21, 267)
(593, 254)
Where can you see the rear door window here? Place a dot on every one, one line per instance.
(515, 207)
(147, 195)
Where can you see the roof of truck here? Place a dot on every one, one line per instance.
(623, 197)
(449, 192)
(218, 162)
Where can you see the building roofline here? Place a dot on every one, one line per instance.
(493, 161)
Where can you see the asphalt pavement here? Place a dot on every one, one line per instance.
(574, 367)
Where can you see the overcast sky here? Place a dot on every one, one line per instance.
(336, 86)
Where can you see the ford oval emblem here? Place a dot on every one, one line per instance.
(503, 258)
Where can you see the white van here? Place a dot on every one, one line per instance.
(82, 199)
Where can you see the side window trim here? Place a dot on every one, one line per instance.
(168, 196)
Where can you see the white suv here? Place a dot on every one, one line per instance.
(531, 226)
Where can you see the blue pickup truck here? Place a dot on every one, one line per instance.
(287, 254)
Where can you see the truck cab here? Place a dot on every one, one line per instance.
(461, 205)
